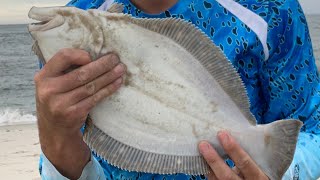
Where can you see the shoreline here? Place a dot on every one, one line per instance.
(20, 150)
(16, 124)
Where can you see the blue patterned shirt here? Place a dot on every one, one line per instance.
(268, 42)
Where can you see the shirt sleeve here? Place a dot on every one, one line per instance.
(92, 170)
(291, 84)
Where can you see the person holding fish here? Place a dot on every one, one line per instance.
(268, 44)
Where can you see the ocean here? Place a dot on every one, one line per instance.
(18, 65)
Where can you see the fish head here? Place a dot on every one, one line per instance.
(64, 27)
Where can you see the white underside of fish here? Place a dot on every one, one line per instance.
(169, 101)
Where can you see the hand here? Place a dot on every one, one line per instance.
(64, 100)
(245, 167)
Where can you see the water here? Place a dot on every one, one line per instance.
(18, 66)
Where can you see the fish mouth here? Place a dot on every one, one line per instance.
(40, 23)
(48, 19)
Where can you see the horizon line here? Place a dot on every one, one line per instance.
(26, 23)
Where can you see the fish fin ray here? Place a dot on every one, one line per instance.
(280, 138)
(133, 159)
(115, 8)
(37, 51)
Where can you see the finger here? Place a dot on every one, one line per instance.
(94, 86)
(241, 159)
(237, 172)
(87, 104)
(63, 60)
(216, 163)
(211, 176)
(89, 72)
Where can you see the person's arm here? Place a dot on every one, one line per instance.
(291, 84)
(92, 170)
(64, 100)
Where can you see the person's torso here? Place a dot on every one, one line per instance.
(238, 28)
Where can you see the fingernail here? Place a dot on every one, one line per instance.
(118, 81)
(114, 59)
(204, 147)
(224, 137)
(119, 68)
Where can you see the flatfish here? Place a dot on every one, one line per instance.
(180, 89)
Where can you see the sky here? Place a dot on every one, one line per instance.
(15, 11)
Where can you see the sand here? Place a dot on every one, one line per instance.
(19, 154)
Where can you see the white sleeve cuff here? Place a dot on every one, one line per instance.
(92, 171)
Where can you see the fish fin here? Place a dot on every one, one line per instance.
(115, 8)
(279, 144)
(209, 55)
(126, 157)
(37, 51)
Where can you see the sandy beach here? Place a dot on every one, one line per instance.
(19, 155)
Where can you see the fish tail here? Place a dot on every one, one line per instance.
(280, 138)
